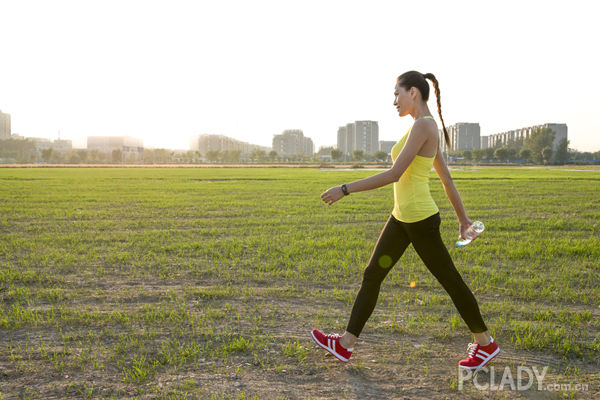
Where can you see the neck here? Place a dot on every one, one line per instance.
(420, 112)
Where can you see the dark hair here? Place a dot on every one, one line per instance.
(418, 80)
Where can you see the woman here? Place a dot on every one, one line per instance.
(415, 219)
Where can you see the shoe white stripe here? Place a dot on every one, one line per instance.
(480, 356)
(484, 353)
(329, 348)
(484, 362)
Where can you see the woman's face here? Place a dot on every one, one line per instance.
(403, 101)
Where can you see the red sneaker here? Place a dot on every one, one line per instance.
(331, 343)
(479, 355)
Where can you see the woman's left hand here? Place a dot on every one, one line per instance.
(332, 195)
(464, 226)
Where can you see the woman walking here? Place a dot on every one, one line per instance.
(415, 219)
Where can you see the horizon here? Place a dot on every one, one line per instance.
(316, 150)
(192, 68)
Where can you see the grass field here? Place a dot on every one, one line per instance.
(205, 283)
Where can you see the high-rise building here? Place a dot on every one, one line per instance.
(207, 142)
(5, 130)
(367, 136)
(350, 138)
(463, 136)
(358, 135)
(342, 139)
(484, 142)
(293, 141)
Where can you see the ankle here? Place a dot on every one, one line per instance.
(483, 339)
(346, 341)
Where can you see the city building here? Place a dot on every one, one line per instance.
(342, 139)
(483, 140)
(503, 138)
(463, 136)
(59, 145)
(131, 148)
(209, 142)
(5, 130)
(386, 145)
(350, 139)
(367, 136)
(292, 142)
(358, 135)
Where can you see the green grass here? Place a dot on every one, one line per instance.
(205, 283)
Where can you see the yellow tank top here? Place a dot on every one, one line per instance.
(412, 199)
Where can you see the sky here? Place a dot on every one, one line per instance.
(165, 71)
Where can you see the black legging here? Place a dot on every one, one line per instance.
(425, 238)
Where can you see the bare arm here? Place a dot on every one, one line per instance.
(415, 141)
(442, 170)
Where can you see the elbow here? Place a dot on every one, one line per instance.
(393, 176)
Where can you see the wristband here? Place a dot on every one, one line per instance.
(345, 190)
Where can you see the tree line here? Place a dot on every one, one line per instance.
(537, 149)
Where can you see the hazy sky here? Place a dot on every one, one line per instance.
(167, 70)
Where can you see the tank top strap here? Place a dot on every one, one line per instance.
(428, 116)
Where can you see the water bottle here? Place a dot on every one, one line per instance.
(472, 232)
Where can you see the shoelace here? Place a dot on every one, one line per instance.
(471, 348)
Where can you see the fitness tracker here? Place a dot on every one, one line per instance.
(345, 190)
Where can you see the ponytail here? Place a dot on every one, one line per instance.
(436, 86)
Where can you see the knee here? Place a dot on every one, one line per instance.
(373, 275)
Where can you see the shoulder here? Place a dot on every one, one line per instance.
(425, 127)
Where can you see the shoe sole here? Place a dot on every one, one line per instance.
(487, 360)
(339, 357)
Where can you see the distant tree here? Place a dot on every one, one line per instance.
(358, 155)
(478, 154)
(117, 156)
(511, 153)
(489, 153)
(83, 155)
(22, 150)
(94, 156)
(57, 157)
(336, 154)
(272, 155)
(562, 152)
(525, 154)
(235, 155)
(468, 155)
(212, 155)
(546, 154)
(188, 156)
(73, 157)
(501, 153)
(47, 154)
(380, 155)
(515, 145)
(261, 155)
(253, 155)
(540, 138)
